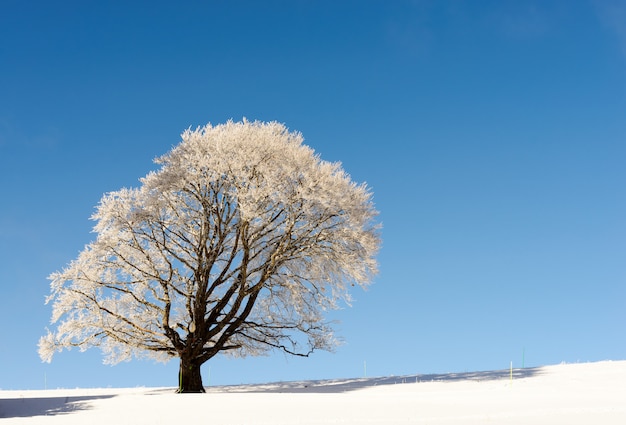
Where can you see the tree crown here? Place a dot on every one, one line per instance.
(237, 244)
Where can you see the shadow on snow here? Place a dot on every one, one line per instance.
(344, 385)
(53, 406)
(45, 406)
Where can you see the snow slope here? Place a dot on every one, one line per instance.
(565, 394)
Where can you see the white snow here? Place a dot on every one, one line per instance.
(564, 394)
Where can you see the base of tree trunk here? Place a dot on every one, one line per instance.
(189, 378)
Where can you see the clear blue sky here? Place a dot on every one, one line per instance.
(493, 135)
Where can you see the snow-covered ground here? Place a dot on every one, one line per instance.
(590, 393)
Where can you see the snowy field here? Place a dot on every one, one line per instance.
(591, 393)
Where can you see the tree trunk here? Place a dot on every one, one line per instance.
(189, 377)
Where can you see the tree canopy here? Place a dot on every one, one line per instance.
(237, 244)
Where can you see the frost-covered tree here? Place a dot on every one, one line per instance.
(237, 244)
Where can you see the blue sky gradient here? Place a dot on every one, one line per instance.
(492, 134)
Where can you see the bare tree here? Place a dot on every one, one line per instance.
(237, 244)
